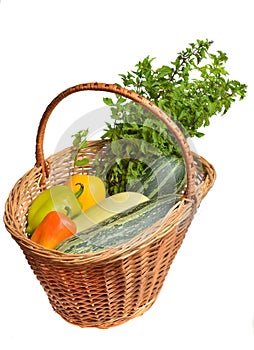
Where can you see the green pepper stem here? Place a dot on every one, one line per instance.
(80, 191)
(68, 211)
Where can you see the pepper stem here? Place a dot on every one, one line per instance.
(68, 211)
(80, 191)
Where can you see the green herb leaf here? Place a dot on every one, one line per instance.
(81, 162)
(108, 101)
(79, 143)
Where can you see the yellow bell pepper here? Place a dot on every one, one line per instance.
(89, 189)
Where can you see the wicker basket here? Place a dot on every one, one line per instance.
(111, 287)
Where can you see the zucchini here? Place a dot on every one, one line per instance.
(165, 175)
(120, 228)
(108, 207)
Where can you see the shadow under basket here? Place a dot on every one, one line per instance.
(108, 288)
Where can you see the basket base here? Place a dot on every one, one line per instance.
(107, 323)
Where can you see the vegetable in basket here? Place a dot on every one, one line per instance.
(88, 189)
(58, 198)
(120, 228)
(108, 207)
(54, 228)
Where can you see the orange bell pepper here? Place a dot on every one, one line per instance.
(54, 228)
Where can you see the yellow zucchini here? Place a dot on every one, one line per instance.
(108, 207)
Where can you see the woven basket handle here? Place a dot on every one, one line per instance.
(187, 154)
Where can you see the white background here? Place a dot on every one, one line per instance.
(207, 301)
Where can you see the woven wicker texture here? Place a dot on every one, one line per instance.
(107, 288)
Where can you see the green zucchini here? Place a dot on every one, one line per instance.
(120, 228)
(165, 175)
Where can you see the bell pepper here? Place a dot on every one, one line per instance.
(54, 228)
(89, 189)
(58, 198)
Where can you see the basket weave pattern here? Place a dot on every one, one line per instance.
(107, 288)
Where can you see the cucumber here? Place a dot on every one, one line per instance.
(120, 228)
(165, 175)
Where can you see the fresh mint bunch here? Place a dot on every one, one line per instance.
(192, 89)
